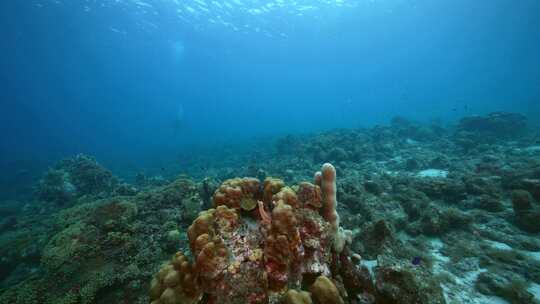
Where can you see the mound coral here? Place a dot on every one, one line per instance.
(76, 177)
(261, 243)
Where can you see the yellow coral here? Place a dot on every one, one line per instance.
(296, 297)
(286, 195)
(238, 193)
(236, 259)
(175, 283)
(271, 187)
(309, 195)
(202, 225)
(226, 219)
(324, 291)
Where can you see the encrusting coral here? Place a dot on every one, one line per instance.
(259, 244)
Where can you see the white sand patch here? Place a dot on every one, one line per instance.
(499, 245)
(391, 173)
(535, 290)
(433, 173)
(459, 289)
(370, 264)
(533, 149)
(533, 254)
(411, 142)
(403, 236)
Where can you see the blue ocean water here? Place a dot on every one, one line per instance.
(141, 83)
(391, 149)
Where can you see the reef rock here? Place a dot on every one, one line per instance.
(270, 243)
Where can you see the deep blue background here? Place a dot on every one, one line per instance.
(70, 84)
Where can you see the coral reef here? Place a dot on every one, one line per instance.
(76, 177)
(436, 214)
(499, 124)
(87, 251)
(256, 257)
(292, 240)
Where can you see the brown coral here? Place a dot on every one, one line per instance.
(271, 187)
(260, 256)
(212, 259)
(203, 225)
(324, 291)
(238, 193)
(287, 196)
(283, 249)
(296, 297)
(176, 283)
(309, 195)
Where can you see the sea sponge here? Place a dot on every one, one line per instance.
(328, 186)
(325, 292)
(327, 180)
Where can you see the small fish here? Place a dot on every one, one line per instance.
(416, 260)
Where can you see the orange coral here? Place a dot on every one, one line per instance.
(324, 291)
(297, 297)
(202, 225)
(212, 260)
(309, 195)
(271, 187)
(287, 196)
(242, 257)
(238, 193)
(283, 249)
(226, 219)
(176, 283)
(284, 222)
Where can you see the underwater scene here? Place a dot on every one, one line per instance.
(270, 152)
